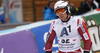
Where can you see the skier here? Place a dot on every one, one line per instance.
(69, 31)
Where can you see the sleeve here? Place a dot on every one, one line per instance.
(84, 34)
(49, 40)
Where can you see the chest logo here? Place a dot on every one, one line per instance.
(64, 31)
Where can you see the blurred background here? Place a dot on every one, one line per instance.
(21, 17)
(31, 10)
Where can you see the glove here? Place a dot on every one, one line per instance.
(47, 52)
(86, 52)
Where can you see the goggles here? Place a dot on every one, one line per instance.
(58, 11)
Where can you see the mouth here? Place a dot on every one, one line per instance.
(62, 16)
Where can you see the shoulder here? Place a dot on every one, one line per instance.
(56, 21)
(46, 9)
(74, 18)
(53, 24)
(77, 19)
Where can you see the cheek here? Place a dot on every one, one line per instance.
(60, 18)
(65, 15)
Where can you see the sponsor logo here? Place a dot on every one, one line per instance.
(94, 32)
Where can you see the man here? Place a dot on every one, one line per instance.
(87, 6)
(48, 11)
(69, 31)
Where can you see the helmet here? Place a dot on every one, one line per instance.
(62, 4)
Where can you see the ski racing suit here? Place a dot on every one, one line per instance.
(68, 35)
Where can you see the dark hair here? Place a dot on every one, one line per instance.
(50, 1)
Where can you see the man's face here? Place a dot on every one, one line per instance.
(52, 5)
(61, 13)
(63, 17)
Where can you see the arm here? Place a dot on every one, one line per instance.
(50, 37)
(85, 36)
(48, 45)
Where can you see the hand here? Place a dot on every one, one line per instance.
(86, 52)
(47, 52)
